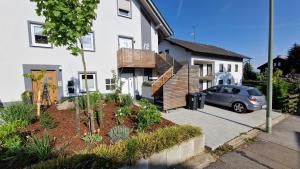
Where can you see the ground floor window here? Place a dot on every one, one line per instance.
(229, 81)
(91, 82)
(221, 82)
(110, 84)
(209, 84)
(201, 84)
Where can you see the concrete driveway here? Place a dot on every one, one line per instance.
(219, 125)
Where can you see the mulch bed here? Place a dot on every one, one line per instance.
(64, 135)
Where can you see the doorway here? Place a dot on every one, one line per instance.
(128, 84)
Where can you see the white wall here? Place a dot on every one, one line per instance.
(178, 53)
(15, 50)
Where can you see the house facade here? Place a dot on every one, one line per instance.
(217, 65)
(125, 39)
(278, 63)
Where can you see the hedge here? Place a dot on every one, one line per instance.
(125, 152)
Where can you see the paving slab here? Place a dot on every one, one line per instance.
(219, 125)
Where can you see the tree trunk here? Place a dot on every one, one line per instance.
(90, 112)
(77, 116)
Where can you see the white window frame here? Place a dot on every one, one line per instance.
(92, 49)
(110, 84)
(128, 38)
(31, 26)
(236, 68)
(129, 12)
(229, 66)
(81, 81)
(221, 67)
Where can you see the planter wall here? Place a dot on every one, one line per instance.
(172, 156)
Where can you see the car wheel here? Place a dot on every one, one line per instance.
(239, 107)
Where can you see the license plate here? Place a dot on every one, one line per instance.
(264, 106)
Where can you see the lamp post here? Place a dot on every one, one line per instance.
(270, 68)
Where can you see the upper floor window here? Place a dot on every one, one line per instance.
(236, 68)
(125, 42)
(229, 68)
(124, 8)
(221, 68)
(88, 42)
(209, 69)
(37, 37)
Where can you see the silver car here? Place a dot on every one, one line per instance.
(240, 98)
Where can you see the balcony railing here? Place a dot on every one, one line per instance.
(135, 58)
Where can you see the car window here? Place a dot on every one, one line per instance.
(230, 90)
(214, 89)
(254, 92)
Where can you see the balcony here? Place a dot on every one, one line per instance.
(207, 77)
(135, 58)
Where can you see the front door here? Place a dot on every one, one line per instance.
(51, 80)
(128, 84)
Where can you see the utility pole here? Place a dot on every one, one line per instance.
(270, 69)
(194, 33)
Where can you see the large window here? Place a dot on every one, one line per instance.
(125, 42)
(236, 68)
(209, 69)
(209, 84)
(88, 42)
(110, 84)
(37, 37)
(221, 68)
(124, 8)
(229, 68)
(91, 82)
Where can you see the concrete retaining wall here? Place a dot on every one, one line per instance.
(172, 156)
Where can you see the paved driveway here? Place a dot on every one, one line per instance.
(219, 125)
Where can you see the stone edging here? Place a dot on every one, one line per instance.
(172, 156)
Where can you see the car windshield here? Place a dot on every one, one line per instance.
(254, 92)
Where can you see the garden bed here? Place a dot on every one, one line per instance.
(64, 135)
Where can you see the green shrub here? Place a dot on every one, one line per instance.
(148, 114)
(12, 143)
(38, 149)
(94, 98)
(125, 152)
(92, 138)
(126, 100)
(280, 93)
(111, 97)
(27, 97)
(18, 112)
(119, 133)
(121, 113)
(47, 121)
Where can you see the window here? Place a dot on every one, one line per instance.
(91, 82)
(88, 42)
(236, 68)
(167, 51)
(209, 84)
(124, 8)
(254, 92)
(37, 38)
(221, 68)
(214, 89)
(221, 82)
(209, 69)
(201, 84)
(125, 42)
(229, 68)
(230, 90)
(110, 84)
(228, 81)
(279, 64)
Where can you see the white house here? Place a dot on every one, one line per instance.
(133, 24)
(217, 65)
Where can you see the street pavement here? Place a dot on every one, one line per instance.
(279, 150)
(219, 125)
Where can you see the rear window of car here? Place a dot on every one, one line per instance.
(254, 92)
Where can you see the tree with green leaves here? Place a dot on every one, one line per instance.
(66, 23)
(248, 73)
(293, 60)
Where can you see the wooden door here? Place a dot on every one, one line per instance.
(51, 79)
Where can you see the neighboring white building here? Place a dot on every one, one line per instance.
(217, 65)
(134, 24)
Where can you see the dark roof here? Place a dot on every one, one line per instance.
(282, 58)
(207, 49)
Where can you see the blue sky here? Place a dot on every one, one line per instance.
(237, 25)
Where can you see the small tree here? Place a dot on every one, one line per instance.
(39, 80)
(293, 60)
(66, 22)
(249, 74)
